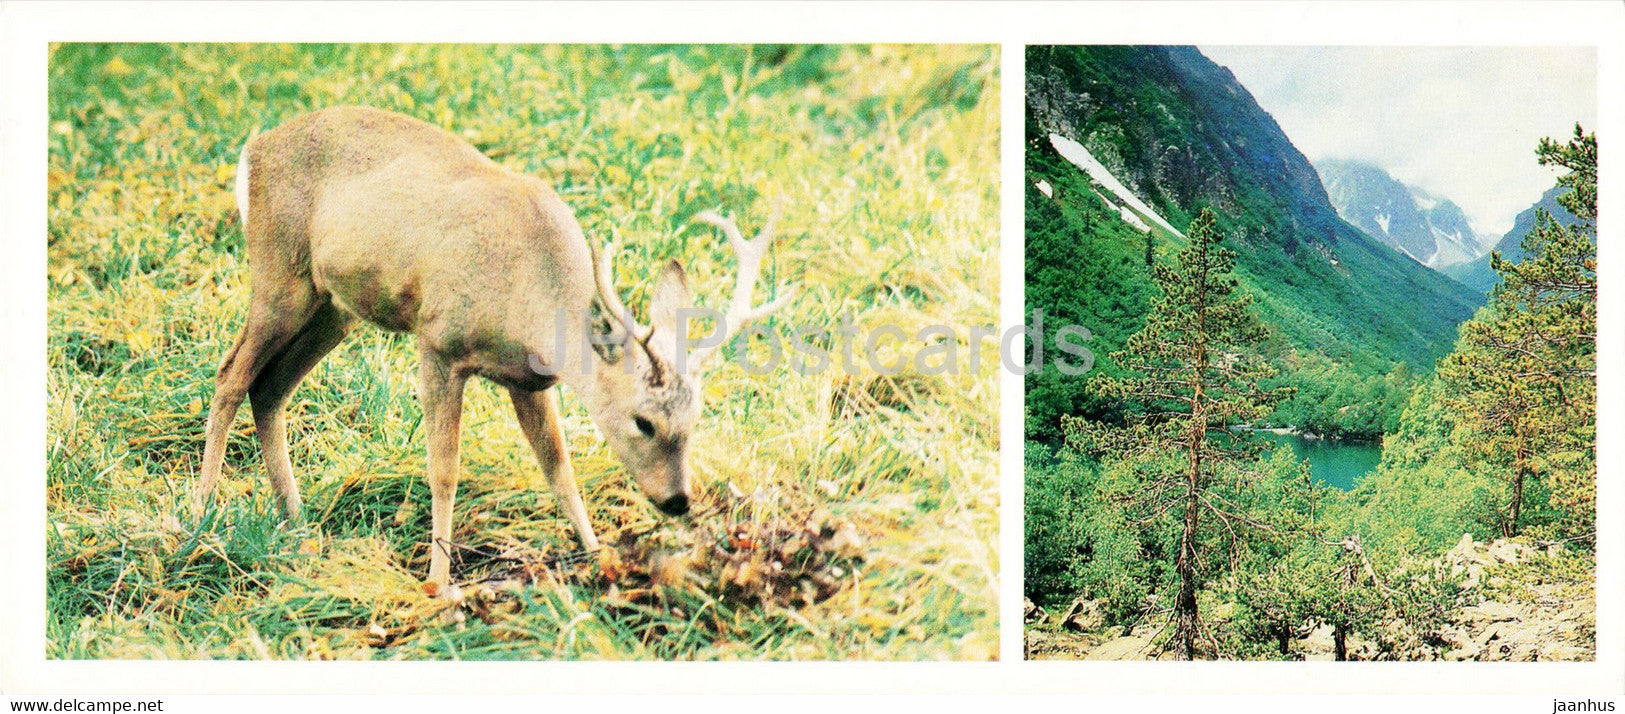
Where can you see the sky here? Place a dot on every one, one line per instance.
(1458, 122)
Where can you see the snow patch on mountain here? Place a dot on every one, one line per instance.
(1133, 219)
(1428, 228)
(1109, 205)
(1080, 157)
(1453, 247)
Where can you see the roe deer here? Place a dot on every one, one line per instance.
(360, 213)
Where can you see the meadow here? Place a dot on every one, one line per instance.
(883, 488)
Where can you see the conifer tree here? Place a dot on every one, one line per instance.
(1195, 373)
(1524, 373)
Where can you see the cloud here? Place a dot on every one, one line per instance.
(1458, 122)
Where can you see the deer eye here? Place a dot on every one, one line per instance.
(644, 426)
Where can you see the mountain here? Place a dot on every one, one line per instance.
(1478, 275)
(1179, 133)
(1429, 229)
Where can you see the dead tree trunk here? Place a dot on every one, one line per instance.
(1185, 607)
(1520, 471)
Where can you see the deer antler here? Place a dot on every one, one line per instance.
(750, 254)
(604, 276)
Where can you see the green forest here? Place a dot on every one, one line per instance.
(1159, 525)
(1352, 318)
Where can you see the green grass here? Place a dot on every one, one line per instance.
(886, 158)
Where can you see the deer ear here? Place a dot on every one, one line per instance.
(671, 294)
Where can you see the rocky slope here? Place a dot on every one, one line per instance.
(1431, 230)
(1524, 604)
(1517, 603)
(1181, 133)
(1477, 273)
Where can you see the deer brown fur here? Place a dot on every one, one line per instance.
(355, 214)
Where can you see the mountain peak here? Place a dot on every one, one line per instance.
(1431, 229)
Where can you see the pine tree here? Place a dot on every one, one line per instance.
(1524, 373)
(1195, 375)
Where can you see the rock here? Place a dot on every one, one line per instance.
(1318, 645)
(1455, 637)
(1043, 643)
(1121, 648)
(1574, 614)
(1031, 612)
(1565, 652)
(1148, 628)
(1461, 654)
(1488, 611)
(1474, 573)
(1545, 618)
(1084, 615)
(1505, 551)
(1463, 551)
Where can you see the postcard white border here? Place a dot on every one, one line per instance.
(26, 28)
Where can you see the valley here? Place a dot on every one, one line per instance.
(1296, 419)
(1478, 275)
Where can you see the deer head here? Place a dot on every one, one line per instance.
(648, 399)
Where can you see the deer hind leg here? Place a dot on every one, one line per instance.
(440, 388)
(270, 326)
(539, 418)
(272, 387)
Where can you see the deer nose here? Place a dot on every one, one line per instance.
(675, 506)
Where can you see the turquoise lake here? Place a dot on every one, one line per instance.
(1338, 463)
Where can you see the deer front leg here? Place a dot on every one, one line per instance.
(440, 388)
(539, 418)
